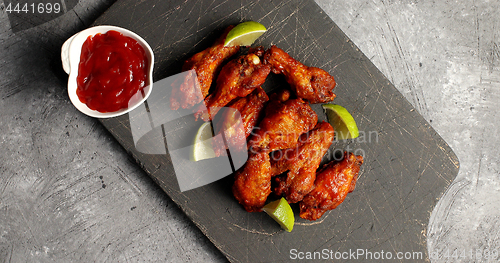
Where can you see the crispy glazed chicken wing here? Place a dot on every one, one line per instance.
(238, 78)
(301, 162)
(310, 83)
(252, 183)
(284, 121)
(238, 120)
(333, 182)
(185, 92)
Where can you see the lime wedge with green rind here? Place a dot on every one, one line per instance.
(244, 34)
(281, 212)
(342, 122)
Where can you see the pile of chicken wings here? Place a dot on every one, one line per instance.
(281, 133)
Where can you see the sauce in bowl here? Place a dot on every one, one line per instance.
(112, 69)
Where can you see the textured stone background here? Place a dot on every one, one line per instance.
(443, 56)
(69, 193)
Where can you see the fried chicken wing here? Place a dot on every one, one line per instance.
(310, 83)
(206, 64)
(333, 182)
(252, 183)
(284, 121)
(238, 78)
(238, 120)
(301, 162)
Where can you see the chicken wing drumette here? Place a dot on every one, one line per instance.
(333, 182)
(310, 83)
(238, 120)
(284, 121)
(301, 162)
(238, 78)
(252, 183)
(185, 91)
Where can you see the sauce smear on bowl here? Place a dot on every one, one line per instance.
(112, 69)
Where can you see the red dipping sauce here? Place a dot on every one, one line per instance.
(112, 69)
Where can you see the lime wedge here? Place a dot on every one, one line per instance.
(202, 145)
(244, 34)
(342, 122)
(281, 212)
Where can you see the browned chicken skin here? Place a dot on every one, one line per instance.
(310, 83)
(301, 162)
(333, 182)
(284, 131)
(252, 183)
(238, 78)
(206, 64)
(284, 121)
(249, 108)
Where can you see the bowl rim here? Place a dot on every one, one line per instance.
(73, 53)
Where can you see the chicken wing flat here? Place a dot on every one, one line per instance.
(238, 120)
(284, 121)
(301, 162)
(310, 83)
(238, 78)
(252, 183)
(333, 182)
(206, 64)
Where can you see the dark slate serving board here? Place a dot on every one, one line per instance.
(407, 164)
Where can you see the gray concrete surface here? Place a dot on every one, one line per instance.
(69, 193)
(443, 56)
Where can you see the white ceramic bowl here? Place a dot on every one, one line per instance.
(70, 56)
